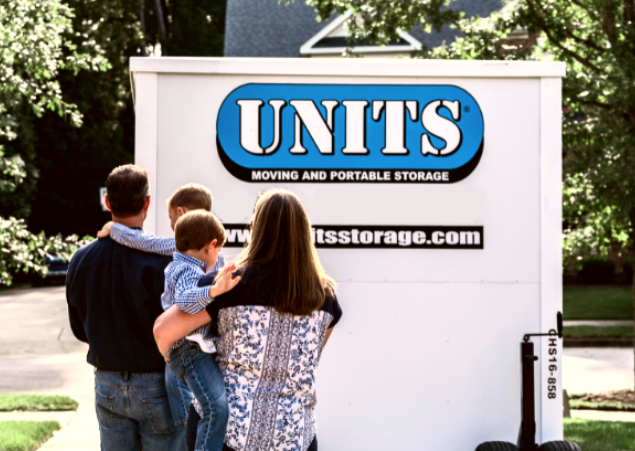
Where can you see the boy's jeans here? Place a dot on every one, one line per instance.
(179, 395)
(199, 370)
(134, 412)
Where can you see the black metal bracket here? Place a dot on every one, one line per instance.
(558, 334)
(526, 337)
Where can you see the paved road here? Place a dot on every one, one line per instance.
(39, 354)
(592, 370)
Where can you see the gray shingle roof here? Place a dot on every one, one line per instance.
(267, 28)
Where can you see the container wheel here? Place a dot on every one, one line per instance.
(496, 446)
(559, 445)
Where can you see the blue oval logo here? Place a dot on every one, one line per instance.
(350, 133)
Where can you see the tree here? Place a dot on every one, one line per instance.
(196, 27)
(589, 225)
(596, 39)
(33, 49)
(73, 163)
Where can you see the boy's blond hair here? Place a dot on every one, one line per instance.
(196, 229)
(191, 196)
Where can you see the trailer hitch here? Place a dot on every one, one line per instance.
(527, 433)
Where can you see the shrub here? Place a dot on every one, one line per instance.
(23, 251)
(628, 271)
(597, 271)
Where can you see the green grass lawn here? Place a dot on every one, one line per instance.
(598, 332)
(25, 435)
(35, 403)
(594, 435)
(598, 302)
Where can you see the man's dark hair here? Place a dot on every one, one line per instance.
(127, 188)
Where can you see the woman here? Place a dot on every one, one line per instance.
(271, 329)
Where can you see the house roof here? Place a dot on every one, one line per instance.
(332, 39)
(271, 29)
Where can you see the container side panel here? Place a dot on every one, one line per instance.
(550, 383)
(424, 366)
(146, 110)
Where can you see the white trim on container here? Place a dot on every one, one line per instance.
(146, 90)
(548, 419)
(363, 67)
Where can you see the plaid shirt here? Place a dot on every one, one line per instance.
(181, 276)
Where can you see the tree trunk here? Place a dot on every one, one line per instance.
(161, 20)
(631, 215)
(142, 21)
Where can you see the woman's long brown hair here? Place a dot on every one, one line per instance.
(290, 276)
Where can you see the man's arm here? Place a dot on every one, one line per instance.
(142, 240)
(74, 316)
(76, 324)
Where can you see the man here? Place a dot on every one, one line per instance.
(114, 296)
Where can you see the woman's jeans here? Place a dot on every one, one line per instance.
(134, 413)
(201, 374)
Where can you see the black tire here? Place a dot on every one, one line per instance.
(496, 446)
(559, 445)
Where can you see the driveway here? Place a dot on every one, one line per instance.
(593, 370)
(40, 355)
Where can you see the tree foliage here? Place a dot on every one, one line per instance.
(34, 48)
(23, 251)
(589, 224)
(196, 27)
(596, 39)
(73, 163)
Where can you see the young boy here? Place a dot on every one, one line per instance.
(187, 198)
(199, 237)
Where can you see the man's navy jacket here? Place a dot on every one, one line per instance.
(114, 296)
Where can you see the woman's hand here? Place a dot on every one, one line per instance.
(174, 324)
(224, 281)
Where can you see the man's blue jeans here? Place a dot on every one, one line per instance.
(134, 413)
(199, 370)
(179, 395)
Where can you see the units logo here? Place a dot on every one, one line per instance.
(350, 133)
